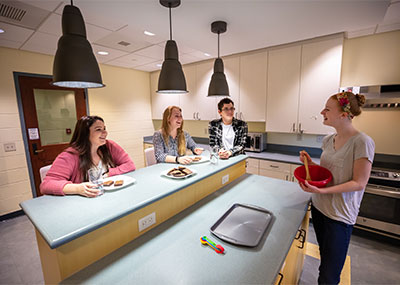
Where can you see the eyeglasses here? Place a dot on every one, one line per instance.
(228, 109)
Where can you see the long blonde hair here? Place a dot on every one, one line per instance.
(165, 130)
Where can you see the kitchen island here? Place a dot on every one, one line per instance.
(173, 254)
(74, 231)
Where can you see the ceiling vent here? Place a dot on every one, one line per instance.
(22, 14)
(125, 44)
(11, 12)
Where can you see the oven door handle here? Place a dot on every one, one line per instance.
(381, 192)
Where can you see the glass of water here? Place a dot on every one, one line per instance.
(96, 178)
(214, 156)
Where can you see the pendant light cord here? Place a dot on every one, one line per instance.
(72, 3)
(218, 45)
(170, 23)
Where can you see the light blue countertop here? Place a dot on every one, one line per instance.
(61, 219)
(172, 253)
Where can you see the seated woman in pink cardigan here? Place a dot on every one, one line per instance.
(88, 149)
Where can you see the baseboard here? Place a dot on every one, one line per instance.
(12, 215)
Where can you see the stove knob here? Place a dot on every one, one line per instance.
(396, 175)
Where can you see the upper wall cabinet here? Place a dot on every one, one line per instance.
(320, 78)
(253, 88)
(159, 102)
(300, 80)
(283, 89)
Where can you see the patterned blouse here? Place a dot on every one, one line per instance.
(161, 150)
(215, 133)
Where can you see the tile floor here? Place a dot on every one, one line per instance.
(372, 261)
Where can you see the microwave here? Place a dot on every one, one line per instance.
(256, 142)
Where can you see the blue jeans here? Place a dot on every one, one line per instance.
(333, 239)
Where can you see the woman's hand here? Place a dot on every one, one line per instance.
(309, 188)
(85, 189)
(198, 150)
(224, 154)
(305, 155)
(185, 160)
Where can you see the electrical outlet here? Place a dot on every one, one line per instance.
(147, 221)
(225, 179)
(9, 147)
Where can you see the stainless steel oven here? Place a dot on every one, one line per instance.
(380, 207)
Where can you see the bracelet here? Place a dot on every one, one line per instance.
(176, 159)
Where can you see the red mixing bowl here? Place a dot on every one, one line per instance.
(320, 176)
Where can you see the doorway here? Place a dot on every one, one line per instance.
(48, 116)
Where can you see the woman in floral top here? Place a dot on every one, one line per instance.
(171, 141)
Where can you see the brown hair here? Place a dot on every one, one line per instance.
(356, 101)
(165, 129)
(224, 101)
(80, 141)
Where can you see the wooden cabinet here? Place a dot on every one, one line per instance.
(159, 102)
(300, 80)
(269, 168)
(293, 264)
(252, 165)
(253, 88)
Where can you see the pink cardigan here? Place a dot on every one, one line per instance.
(65, 168)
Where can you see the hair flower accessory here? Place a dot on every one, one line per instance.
(344, 103)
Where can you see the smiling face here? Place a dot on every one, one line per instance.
(227, 112)
(98, 134)
(175, 120)
(333, 113)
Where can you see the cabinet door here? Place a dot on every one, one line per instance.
(206, 106)
(190, 101)
(159, 102)
(253, 87)
(231, 65)
(274, 174)
(320, 78)
(283, 87)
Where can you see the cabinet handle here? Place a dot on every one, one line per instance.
(273, 166)
(301, 236)
(241, 115)
(300, 130)
(287, 177)
(198, 117)
(194, 115)
(281, 278)
(294, 127)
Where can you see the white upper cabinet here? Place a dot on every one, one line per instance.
(159, 102)
(253, 88)
(300, 80)
(320, 78)
(188, 100)
(283, 89)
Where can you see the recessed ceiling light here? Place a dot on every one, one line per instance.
(149, 33)
(207, 54)
(103, 52)
(159, 64)
(1, 31)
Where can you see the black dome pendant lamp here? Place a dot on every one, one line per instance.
(75, 65)
(171, 80)
(218, 85)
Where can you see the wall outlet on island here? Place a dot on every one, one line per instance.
(147, 221)
(225, 179)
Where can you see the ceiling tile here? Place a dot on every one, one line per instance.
(112, 41)
(187, 58)
(138, 35)
(119, 63)
(9, 44)
(49, 5)
(150, 67)
(393, 13)
(200, 55)
(136, 60)
(154, 51)
(112, 53)
(14, 33)
(42, 43)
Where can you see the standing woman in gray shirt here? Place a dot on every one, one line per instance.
(348, 154)
(171, 141)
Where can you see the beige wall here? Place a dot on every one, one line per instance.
(124, 104)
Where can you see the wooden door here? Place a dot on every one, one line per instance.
(50, 114)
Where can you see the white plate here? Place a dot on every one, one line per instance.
(127, 181)
(203, 159)
(164, 173)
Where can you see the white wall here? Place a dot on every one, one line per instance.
(124, 104)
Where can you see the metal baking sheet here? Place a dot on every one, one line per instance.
(242, 224)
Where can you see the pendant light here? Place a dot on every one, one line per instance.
(75, 65)
(172, 79)
(218, 85)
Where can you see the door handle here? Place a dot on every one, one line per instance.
(294, 127)
(194, 115)
(36, 150)
(300, 130)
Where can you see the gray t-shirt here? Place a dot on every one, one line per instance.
(343, 207)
